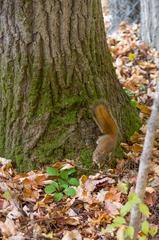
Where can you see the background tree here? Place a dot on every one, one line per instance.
(54, 63)
(150, 22)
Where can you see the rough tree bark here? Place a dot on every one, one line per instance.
(54, 63)
(150, 22)
(124, 10)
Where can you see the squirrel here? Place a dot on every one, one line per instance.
(108, 126)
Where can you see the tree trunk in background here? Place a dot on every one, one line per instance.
(105, 6)
(54, 63)
(123, 10)
(150, 22)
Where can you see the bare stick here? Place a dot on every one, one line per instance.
(145, 161)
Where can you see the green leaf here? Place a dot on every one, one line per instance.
(145, 227)
(128, 92)
(64, 174)
(123, 187)
(62, 183)
(50, 189)
(131, 56)
(67, 172)
(7, 195)
(126, 208)
(133, 103)
(129, 232)
(55, 184)
(144, 209)
(153, 231)
(58, 196)
(70, 192)
(52, 171)
(119, 220)
(71, 171)
(133, 198)
(73, 181)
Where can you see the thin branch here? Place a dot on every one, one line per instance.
(145, 161)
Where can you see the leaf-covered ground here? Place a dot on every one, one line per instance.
(27, 212)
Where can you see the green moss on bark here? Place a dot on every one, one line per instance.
(56, 121)
(86, 157)
(133, 124)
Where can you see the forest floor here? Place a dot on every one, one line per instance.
(27, 212)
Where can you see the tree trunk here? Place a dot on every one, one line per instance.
(123, 10)
(150, 22)
(54, 64)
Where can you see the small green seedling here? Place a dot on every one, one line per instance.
(133, 103)
(129, 93)
(120, 222)
(62, 184)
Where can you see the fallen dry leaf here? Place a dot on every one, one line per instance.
(72, 235)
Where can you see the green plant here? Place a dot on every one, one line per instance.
(129, 92)
(121, 227)
(62, 185)
(133, 103)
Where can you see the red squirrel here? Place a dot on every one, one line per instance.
(108, 126)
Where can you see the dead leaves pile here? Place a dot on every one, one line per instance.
(137, 69)
(134, 61)
(26, 212)
(136, 65)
